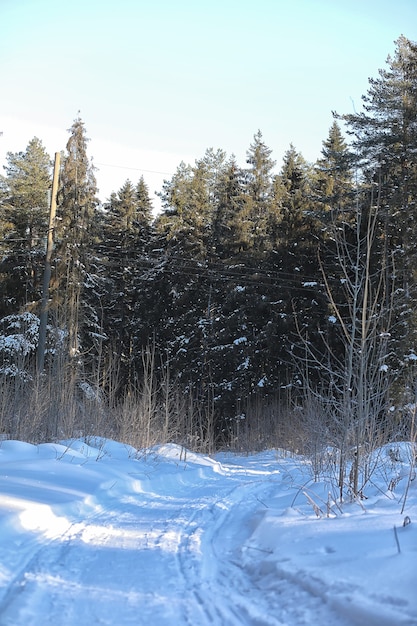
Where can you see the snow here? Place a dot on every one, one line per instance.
(99, 533)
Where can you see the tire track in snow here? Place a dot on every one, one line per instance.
(226, 543)
(211, 570)
(238, 589)
(270, 597)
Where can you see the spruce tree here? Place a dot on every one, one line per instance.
(333, 183)
(185, 229)
(124, 250)
(231, 228)
(76, 224)
(336, 194)
(144, 205)
(302, 304)
(295, 199)
(259, 190)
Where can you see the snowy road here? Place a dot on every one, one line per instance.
(110, 539)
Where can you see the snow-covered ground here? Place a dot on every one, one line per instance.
(100, 534)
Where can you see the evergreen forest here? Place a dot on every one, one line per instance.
(265, 305)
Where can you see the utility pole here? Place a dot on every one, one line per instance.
(43, 318)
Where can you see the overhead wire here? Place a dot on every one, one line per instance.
(217, 270)
(135, 169)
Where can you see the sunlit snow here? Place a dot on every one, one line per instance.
(98, 533)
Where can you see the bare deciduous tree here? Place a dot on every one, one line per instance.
(353, 389)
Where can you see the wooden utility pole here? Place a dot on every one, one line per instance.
(43, 318)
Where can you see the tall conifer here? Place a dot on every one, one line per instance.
(259, 189)
(385, 140)
(77, 203)
(334, 172)
(23, 225)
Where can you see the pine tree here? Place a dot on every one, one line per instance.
(23, 219)
(385, 140)
(190, 202)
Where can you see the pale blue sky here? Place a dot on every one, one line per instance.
(160, 81)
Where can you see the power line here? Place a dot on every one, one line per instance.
(247, 275)
(135, 169)
(188, 265)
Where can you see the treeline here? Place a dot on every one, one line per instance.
(258, 295)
